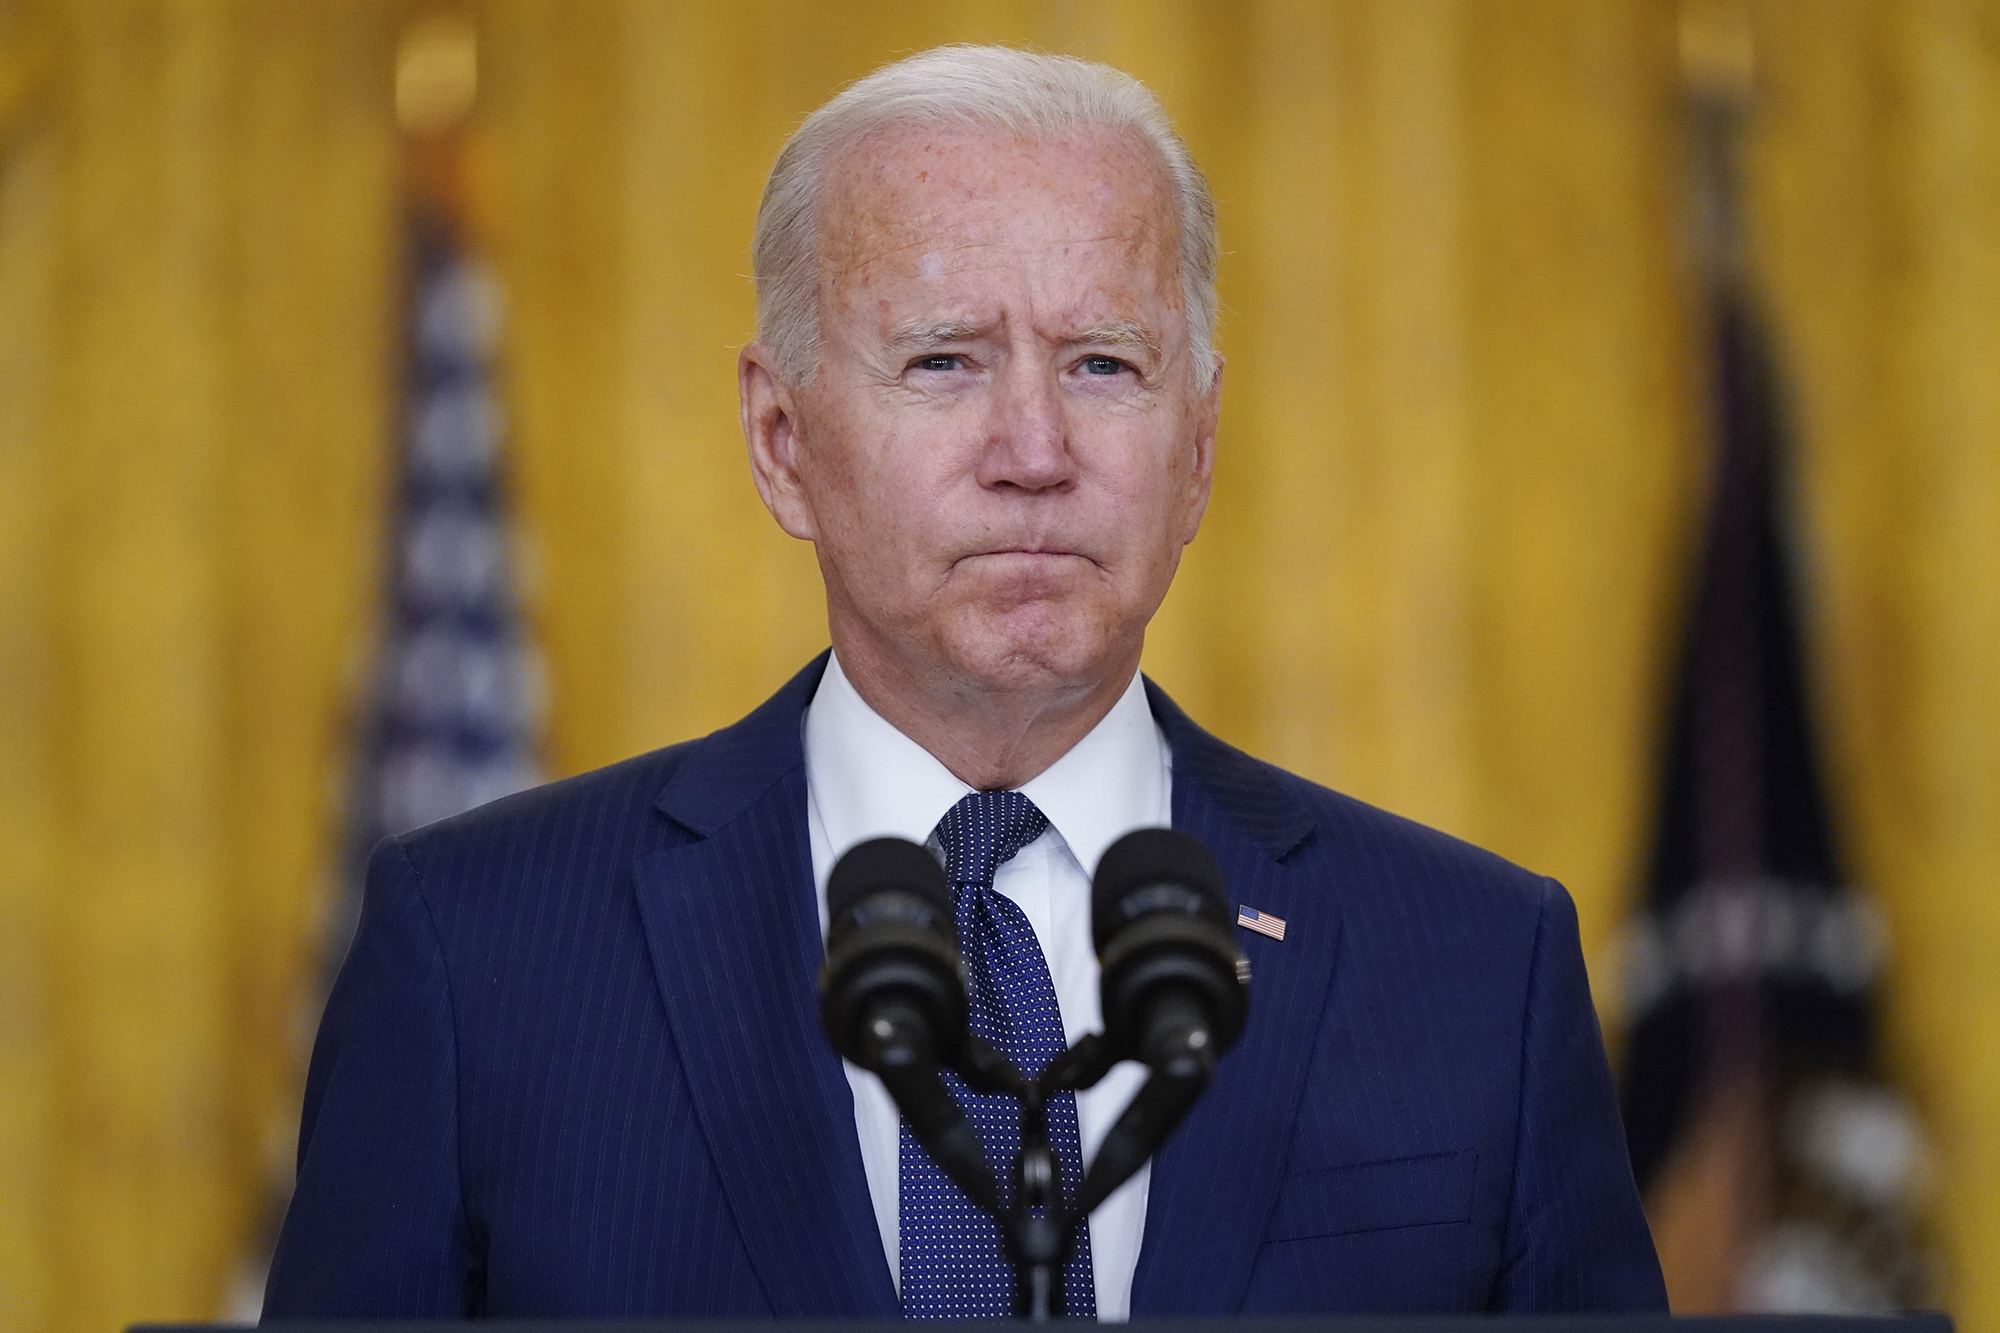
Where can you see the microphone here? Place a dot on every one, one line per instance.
(1174, 988)
(1173, 981)
(892, 990)
(892, 996)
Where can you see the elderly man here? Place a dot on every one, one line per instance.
(572, 1064)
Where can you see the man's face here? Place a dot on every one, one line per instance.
(1005, 447)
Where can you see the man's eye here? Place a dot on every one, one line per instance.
(1102, 365)
(942, 361)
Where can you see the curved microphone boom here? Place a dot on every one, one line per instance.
(892, 995)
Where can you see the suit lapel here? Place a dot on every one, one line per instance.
(734, 932)
(1214, 1184)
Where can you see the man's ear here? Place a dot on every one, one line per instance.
(1208, 416)
(771, 429)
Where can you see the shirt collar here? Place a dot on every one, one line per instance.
(869, 780)
(1112, 781)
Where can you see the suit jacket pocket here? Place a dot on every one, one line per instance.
(1375, 1196)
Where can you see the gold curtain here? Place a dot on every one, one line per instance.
(196, 246)
(1459, 467)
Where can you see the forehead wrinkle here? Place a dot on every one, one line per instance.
(867, 220)
(863, 251)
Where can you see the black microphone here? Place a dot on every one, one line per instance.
(892, 990)
(892, 995)
(1173, 981)
(1174, 987)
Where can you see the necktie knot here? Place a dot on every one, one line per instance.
(983, 832)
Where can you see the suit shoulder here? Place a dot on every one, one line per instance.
(588, 818)
(1356, 853)
(1375, 849)
(1414, 904)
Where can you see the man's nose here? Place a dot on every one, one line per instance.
(1027, 442)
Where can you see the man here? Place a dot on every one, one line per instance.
(572, 1063)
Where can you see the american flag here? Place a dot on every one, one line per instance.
(454, 719)
(1262, 922)
(451, 714)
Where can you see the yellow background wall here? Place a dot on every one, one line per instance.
(1459, 468)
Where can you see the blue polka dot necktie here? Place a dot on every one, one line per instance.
(953, 1263)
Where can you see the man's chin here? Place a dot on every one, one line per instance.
(1032, 650)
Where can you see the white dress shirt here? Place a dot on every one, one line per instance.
(865, 779)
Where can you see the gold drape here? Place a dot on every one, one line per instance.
(196, 244)
(1458, 467)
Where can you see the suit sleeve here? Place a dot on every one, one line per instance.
(377, 1224)
(1577, 1238)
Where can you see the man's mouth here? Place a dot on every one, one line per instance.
(1033, 562)
(1027, 554)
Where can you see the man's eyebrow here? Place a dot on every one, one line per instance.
(1124, 333)
(929, 333)
(920, 333)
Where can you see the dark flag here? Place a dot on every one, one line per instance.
(1779, 1171)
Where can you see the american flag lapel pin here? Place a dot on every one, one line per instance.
(1262, 922)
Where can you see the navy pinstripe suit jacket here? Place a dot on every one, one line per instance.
(572, 1065)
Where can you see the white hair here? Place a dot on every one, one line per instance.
(982, 88)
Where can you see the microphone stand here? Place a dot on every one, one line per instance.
(1037, 1225)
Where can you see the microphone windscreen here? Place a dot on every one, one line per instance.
(895, 865)
(1150, 858)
